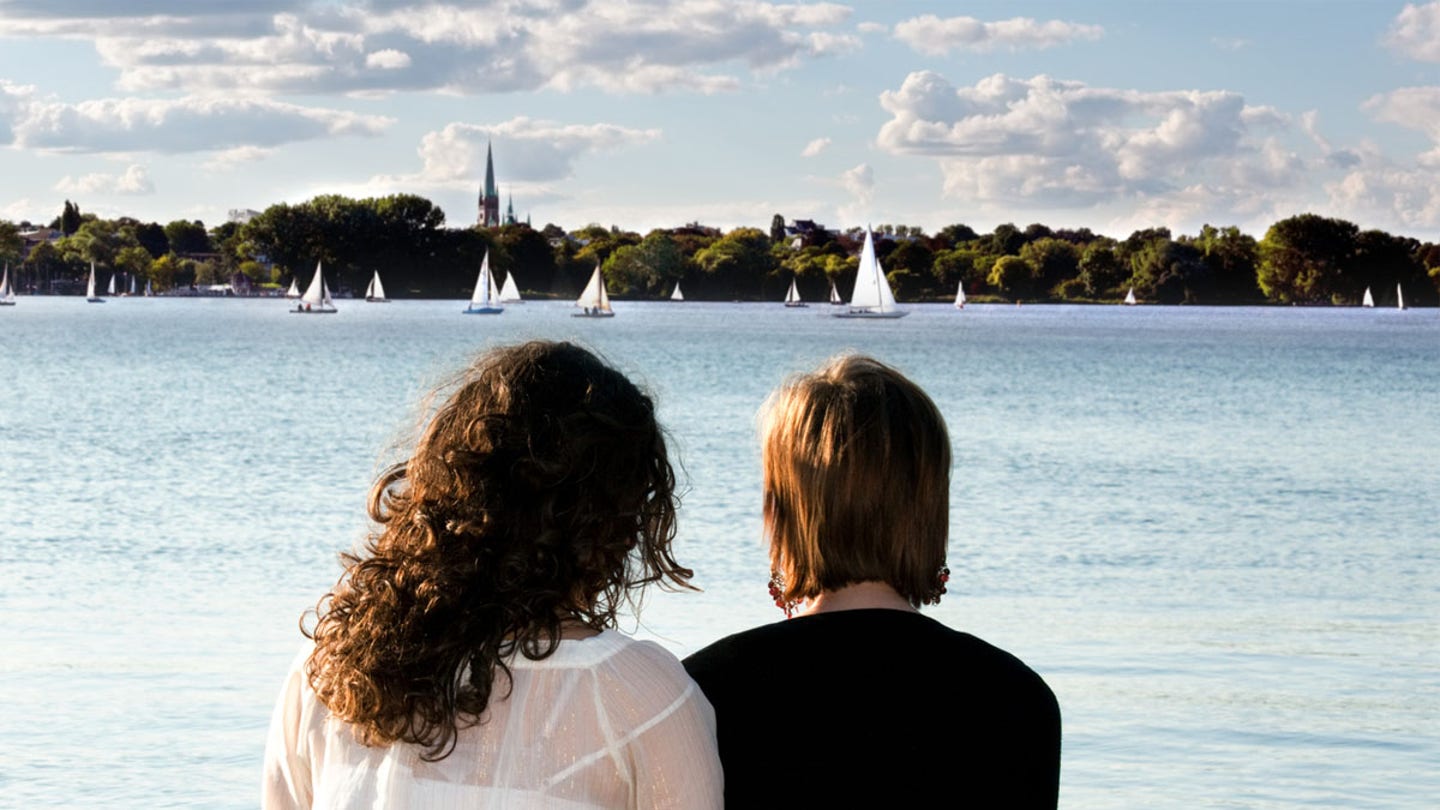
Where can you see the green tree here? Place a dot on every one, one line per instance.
(1011, 277)
(1231, 257)
(1051, 261)
(777, 228)
(163, 272)
(69, 219)
(151, 236)
(188, 237)
(1101, 273)
(10, 242)
(649, 268)
(1303, 259)
(736, 265)
(527, 253)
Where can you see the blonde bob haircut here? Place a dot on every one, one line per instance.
(856, 482)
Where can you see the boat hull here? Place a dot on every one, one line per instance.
(94, 300)
(7, 303)
(483, 310)
(860, 313)
(796, 304)
(377, 300)
(592, 314)
(314, 311)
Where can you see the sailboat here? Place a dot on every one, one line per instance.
(792, 296)
(90, 288)
(510, 290)
(132, 285)
(960, 295)
(110, 290)
(1399, 297)
(149, 289)
(595, 301)
(835, 295)
(294, 291)
(871, 297)
(7, 293)
(375, 293)
(675, 294)
(486, 298)
(316, 299)
(1368, 300)
(1130, 297)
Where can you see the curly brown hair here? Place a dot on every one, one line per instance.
(540, 493)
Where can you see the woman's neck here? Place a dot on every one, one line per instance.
(857, 596)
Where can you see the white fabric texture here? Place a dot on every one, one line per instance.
(606, 722)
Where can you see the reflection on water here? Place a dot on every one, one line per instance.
(1212, 530)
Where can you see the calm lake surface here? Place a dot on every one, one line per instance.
(1215, 532)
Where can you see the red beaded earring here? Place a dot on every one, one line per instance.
(777, 593)
(941, 577)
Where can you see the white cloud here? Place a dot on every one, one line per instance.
(872, 28)
(815, 147)
(359, 47)
(1416, 32)
(1413, 107)
(135, 181)
(531, 152)
(388, 59)
(14, 100)
(1063, 143)
(1231, 43)
(859, 181)
(182, 125)
(231, 158)
(934, 36)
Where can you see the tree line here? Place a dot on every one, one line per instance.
(1304, 259)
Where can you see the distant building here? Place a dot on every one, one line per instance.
(30, 239)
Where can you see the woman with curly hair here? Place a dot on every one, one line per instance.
(885, 707)
(468, 657)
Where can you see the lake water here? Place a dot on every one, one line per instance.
(1213, 531)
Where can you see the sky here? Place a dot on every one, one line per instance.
(655, 113)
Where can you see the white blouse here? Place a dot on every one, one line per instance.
(605, 721)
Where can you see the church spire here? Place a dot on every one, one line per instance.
(490, 173)
(489, 197)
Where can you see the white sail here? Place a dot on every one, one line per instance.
(1368, 300)
(871, 297)
(7, 293)
(834, 294)
(510, 290)
(792, 296)
(960, 296)
(1399, 297)
(110, 290)
(294, 291)
(149, 288)
(485, 299)
(1130, 296)
(90, 286)
(595, 301)
(375, 291)
(676, 295)
(132, 285)
(317, 295)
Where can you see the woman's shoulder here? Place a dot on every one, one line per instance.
(850, 639)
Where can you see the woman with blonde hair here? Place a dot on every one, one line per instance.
(468, 657)
(860, 700)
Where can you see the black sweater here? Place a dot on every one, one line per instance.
(881, 708)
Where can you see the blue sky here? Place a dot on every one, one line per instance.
(653, 113)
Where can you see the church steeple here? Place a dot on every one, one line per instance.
(489, 197)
